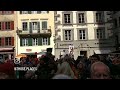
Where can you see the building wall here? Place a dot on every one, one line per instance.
(91, 43)
(30, 17)
(9, 33)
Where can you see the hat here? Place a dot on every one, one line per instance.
(49, 49)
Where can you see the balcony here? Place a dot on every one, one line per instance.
(45, 32)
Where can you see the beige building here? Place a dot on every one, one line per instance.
(35, 30)
(7, 34)
(87, 31)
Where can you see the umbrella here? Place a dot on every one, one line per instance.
(21, 55)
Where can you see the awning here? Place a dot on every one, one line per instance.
(102, 51)
(4, 49)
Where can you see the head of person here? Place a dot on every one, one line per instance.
(29, 74)
(61, 76)
(49, 50)
(94, 58)
(100, 71)
(80, 65)
(7, 71)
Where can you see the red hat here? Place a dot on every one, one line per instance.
(7, 68)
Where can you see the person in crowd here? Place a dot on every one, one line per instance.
(61, 76)
(7, 71)
(30, 75)
(81, 70)
(94, 58)
(100, 71)
(65, 68)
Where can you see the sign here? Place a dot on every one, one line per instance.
(71, 49)
(28, 50)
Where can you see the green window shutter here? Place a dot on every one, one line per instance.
(38, 27)
(30, 27)
(40, 41)
(48, 40)
(20, 41)
(29, 41)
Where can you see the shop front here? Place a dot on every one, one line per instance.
(6, 53)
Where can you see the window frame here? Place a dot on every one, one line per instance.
(71, 17)
(86, 33)
(44, 43)
(102, 17)
(71, 34)
(103, 33)
(8, 41)
(77, 17)
(24, 29)
(35, 41)
(25, 42)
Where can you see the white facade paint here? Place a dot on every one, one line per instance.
(35, 17)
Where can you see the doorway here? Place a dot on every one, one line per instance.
(83, 53)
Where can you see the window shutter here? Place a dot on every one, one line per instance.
(40, 41)
(20, 12)
(3, 41)
(48, 40)
(20, 41)
(29, 12)
(44, 25)
(12, 41)
(12, 25)
(30, 26)
(29, 41)
(3, 25)
(12, 12)
(38, 26)
(3, 12)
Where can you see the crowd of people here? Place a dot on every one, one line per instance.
(94, 67)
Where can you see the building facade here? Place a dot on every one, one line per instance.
(88, 32)
(7, 35)
(35, 30)
(116, 28)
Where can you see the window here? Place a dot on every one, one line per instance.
(99, 17)
(7, 25)
(100, 33)
(24, 26)
(38, 12)
(8, 41)
(24, 41)
(67, 35)
(81, 18)
(34, 25)
(34, 12)
(119, 21)
(35, 41)
(24, 12)
(7, 12)
(44, 12)
(67, 19)
(44, 25)
(82, 34)
(0, 25)
(0, 42)
(29, 12)
(44, 41)
(115, 23)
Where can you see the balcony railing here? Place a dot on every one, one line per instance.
(33, 32)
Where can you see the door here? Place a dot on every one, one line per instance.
(83, 53)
